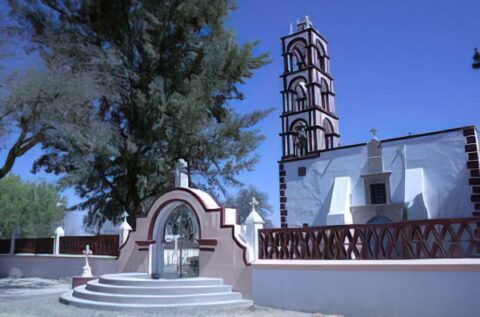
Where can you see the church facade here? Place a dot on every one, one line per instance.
(423, 176)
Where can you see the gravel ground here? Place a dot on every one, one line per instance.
(39, 297)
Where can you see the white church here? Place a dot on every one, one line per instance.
(414, 177)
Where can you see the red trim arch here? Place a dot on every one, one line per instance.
(204, 206)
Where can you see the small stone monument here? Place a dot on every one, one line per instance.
(87, 270)
(124, 229)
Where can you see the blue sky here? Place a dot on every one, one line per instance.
(399, 66)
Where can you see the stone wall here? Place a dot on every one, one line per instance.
(399, 288)
(54, 266)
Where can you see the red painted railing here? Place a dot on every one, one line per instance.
(100, 245)
(34, 245)
(438, 238)
(4, 246)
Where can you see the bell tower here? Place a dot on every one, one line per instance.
(309, 120)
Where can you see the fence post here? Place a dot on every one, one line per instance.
(56, 241)
(12, 241)
(124, 230)
(253, 223)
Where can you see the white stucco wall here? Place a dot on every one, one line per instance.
(446, 192)
(424, 288)
(55, 266)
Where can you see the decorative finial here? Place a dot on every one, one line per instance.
(125, 216)
(291, 28)
(374, 131)
(87, 271)
(254, 203)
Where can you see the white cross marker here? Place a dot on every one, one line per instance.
(374, 131)
(254, 203)
(87, 271)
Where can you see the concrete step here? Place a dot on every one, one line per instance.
(83, 293)
(142, 279)
(68, 299)
(96, 286)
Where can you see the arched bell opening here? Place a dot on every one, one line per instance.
(176, 252)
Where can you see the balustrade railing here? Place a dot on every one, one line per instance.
(100, 245)
(4, 246)
(34, 245)
(437, 238)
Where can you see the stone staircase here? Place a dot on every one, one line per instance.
(137, 291)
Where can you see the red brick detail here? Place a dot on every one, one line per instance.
(280, 167)
(472, 164)
(282, 206)
(476, 213)
(282, 193)
(476, 189)
(283, 186)
(473, 156)
(283, 173)
(283, 212)
(474, 181)
(284, 199)
(284, 225)
(475, 198)
(81, 280)
(469, 131)
(283, 219)
(282, 180)
(470, 148)
(477, 206)
(475, 173)
(471, 139)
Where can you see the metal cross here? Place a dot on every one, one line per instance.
(374, 131)
(87, 252)
(125, 215)
(254, 203)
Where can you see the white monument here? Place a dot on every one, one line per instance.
(181, 174)
(87, 271)
(253, 223)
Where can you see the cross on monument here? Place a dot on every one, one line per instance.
(254, 203)
(87, 271)
(374, 131)
(124, 215)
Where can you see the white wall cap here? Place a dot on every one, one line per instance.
(209, 202)
(254, 217)
(59, 231)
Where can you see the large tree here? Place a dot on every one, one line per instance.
(167, 70)
(32, 208)
(37, 106)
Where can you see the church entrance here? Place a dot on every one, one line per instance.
(176, 248)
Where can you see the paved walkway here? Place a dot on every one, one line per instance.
(35, 297)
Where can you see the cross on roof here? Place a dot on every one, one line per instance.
(254, 203)
(374, 131)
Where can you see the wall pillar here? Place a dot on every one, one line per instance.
(56, 241)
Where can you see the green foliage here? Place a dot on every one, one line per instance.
(167, 71)
(32, 208)
(242, 202)
(39, 106)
